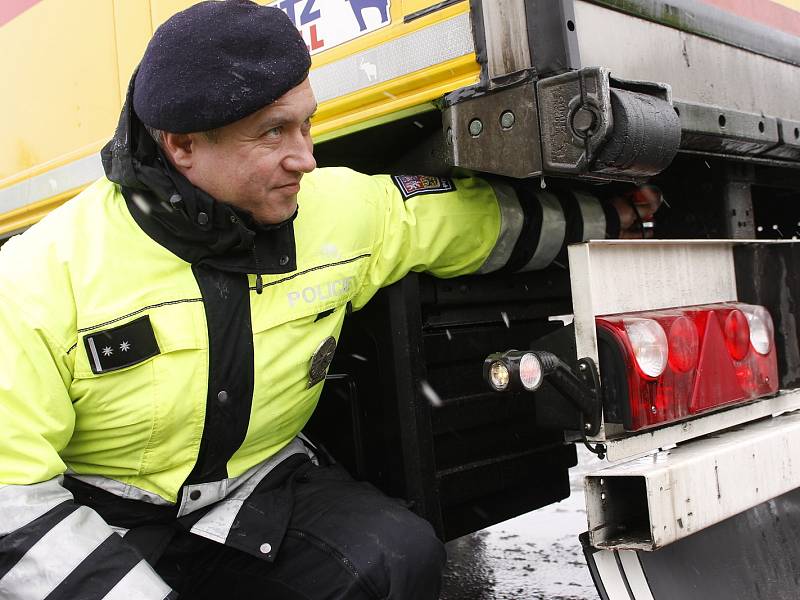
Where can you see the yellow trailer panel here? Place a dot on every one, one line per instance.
(73, 60)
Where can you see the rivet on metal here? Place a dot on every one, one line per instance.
(507, 120)
(475, 127)
(584, 121)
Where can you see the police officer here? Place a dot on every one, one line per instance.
(165, 335)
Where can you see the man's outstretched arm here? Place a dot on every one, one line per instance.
(452, 227)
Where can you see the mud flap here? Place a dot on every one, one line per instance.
(617, 574)
(755, 554)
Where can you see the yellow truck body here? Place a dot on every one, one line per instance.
(68, 63)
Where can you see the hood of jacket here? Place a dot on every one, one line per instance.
(183, 218)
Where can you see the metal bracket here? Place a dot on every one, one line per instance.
(737, 201)
(581, 389)
(496, 132)
(595, 125)
(579, 118)
(719, 130)
(582, 123)
(552, 36)
(789, 135)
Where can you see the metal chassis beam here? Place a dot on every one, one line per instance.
(655, 500)
(548, 27)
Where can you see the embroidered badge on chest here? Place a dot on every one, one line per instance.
(122, 346)
(417, 185)
(320, 361)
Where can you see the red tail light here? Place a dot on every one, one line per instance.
(660, 367)
(684, 345)
(737, 334)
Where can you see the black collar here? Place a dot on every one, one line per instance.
(236, 247)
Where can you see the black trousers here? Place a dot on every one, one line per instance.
(345, 540)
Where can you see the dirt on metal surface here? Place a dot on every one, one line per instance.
(536, 556)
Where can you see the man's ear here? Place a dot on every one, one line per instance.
(179, 148)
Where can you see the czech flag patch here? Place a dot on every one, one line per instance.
(417, 185)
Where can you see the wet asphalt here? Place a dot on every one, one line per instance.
(536, 556)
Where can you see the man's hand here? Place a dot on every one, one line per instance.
(636, 209)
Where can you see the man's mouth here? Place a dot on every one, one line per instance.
(291, 189)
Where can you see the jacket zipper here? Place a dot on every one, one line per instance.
(259, 281)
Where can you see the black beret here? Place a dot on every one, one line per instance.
(215, 63)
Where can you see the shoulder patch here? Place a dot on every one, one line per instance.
(122, 346)
(417, 185)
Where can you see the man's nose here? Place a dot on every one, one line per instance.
(301, 156)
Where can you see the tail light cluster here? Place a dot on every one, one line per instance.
(663, 366)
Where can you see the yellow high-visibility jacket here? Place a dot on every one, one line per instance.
(130, 369)
(88, 267)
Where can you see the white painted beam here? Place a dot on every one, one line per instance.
(652, 501)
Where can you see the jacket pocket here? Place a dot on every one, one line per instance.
(311, 291)
(122, 413)
(157, 330)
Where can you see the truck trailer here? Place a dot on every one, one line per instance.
(675, 356)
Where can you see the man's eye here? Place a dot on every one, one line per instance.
(274, 132)
(307, 126)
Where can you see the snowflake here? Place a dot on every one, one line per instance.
(125, 345)
(107, 351)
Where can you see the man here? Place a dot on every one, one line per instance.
(159, 363)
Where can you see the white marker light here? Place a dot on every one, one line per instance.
(499, 376)
(762, 331)
(650, 346)
(530, 372)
